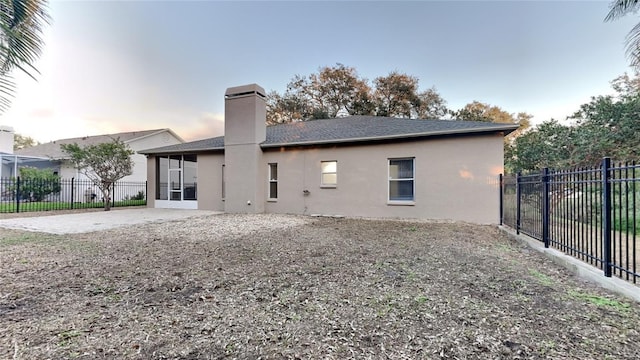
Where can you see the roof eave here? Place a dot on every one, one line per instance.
(507, 129)
(165, 152)
(159, 131)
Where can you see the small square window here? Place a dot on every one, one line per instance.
(329, 173)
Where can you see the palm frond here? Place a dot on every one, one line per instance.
(22, 24)
(633, 46)
(621, 8)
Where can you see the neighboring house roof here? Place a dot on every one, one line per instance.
(52, 149)
(350, 129)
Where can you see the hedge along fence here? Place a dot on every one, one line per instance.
(592, 214)
(23, 195)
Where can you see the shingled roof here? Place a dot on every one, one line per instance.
(352, 129)
(52, 149)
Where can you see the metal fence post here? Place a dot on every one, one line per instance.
(113, 194)
(545, 207)
(606, 216)
(501, 189)
(18, 194)
(146, 191)
(72, 186)
(517, 203)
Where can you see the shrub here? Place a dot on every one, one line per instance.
(36, 184)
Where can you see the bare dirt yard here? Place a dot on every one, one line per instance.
(271, 286)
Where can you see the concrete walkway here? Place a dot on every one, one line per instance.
(96, 221)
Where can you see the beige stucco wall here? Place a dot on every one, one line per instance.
(245, 179)
(210, 182)
(151, 181)
(456, 179)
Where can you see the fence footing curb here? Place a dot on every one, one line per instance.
(577, 267)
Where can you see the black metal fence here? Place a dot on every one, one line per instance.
(589, 213)
(23, 195)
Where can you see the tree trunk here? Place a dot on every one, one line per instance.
(106, 194)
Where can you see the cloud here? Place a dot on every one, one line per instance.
(41, 112)
(206, 125)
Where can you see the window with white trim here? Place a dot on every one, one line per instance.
(273, 181)
(401, 180)
(329, 173)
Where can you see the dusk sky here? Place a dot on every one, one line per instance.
(122, 66)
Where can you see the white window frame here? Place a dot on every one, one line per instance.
(177, 203)
(322, 173)
(412, 179)
(272, 181)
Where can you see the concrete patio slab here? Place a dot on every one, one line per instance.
(97, 221)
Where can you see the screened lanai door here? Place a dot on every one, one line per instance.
(177, 182)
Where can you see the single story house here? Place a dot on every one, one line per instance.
(58, 160)
(50, 156)
(353, 166)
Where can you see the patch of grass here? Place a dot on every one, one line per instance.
(385, 305)
(411, 276)
(421, 299)
(505, 247)
(600, 301)
(25, 238)
(522, 297)
(542, 278)
(65, 337)
(53, 206)
(547, 346)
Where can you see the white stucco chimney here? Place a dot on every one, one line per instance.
(6, 139)
(245, 117)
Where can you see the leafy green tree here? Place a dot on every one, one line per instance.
(607, 126)
(22, 142)
(473, 111)
(431, 105)
(620, 8)
(611, 128)
(396, 95)
(103, 163)
(550, 144)
(478, 111)
(320, 96)
(36, 184)
(21, 28)
(286, 108)
(339, 90)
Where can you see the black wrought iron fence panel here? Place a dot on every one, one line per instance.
(529, 197)
(508, 212)
(588, 213)
(625, 223)
(24, 195)
(575, 213)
